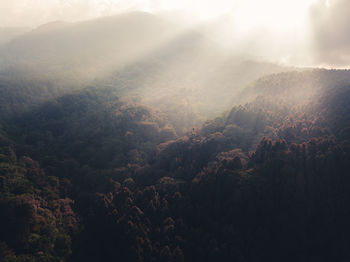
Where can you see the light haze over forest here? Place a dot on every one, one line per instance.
(173, 131)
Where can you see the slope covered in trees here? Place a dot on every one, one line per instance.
(96, 175)
(36, 216)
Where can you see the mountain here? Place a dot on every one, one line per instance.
(85, 47)
(174, 70)
(132, 138)
(60, 57)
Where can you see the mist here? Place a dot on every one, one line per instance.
(172, 131)
(188, 59)
(296, 33)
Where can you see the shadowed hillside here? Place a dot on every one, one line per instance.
(258, 181)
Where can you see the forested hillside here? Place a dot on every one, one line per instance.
(94, 175)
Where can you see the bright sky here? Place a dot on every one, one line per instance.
(247, 13)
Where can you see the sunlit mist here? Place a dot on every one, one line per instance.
(174, 130)
(247, 13)
(281, 31)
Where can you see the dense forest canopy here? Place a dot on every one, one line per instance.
(134, 138)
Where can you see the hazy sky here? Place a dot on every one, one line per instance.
(248, 12)
(310, 32)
